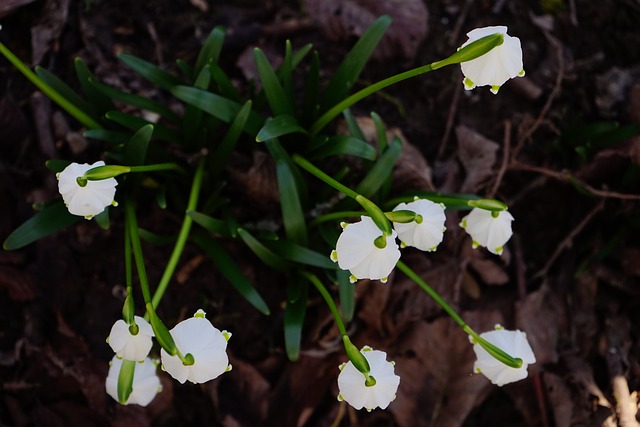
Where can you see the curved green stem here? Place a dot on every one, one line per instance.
(74, 111)
(182, 236)
(491, 349)
(327, 298)
(132, 226)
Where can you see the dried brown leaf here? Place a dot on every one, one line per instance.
(48, 28)
(258, 180)
(340, 20)
(412, 170)
(435, 364)
(478, 155)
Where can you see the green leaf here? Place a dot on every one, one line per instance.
(218, 106)
(348, 72)
(52, 218)
(185, 68)
(225, 86)
(135, 151)
(381, 132)
(292, 213)
(279, 126)
(155, 75)
(155, 238)
(141, 102)
(265, 254)
(222, 153)
(309, 110)
(342, 144)
(55, 165)
(102, 219)
(193, 115)
(294, 317)
(113, 137)
(134, 123)
(346, 292)
(211, 49)
(286, 70)
(99, 100)
(64, 90)
(353, 126)
(209, 223)
(276, 96)
(381, 170)
(300, 54)
(300, 254)
(230, 270)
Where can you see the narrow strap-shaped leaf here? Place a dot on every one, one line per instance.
(193, 115)
(342, 144)
(101, 102)
(299, 55)
(346, 292)
(211, 49)
(351, 67)
(185, 68)
(352, 125)
(230, 270)
(65, 91)
(300, 254)
(294, 316)
(292, 214)
(135, 123)
(52, 218)
(225, 86)
(154, 74)
(381, 132)
(135, 151)
(381, 170)
(113, 137)
(279, 126)
(209, 223)
(102, 219)
(286, 70)
(218, 106)
(276, 96)
(265, 254)
(309, 110)
(155, 238)
(141, 102)
(222, 153)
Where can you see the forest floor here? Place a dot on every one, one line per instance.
(560, 146)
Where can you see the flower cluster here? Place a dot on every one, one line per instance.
(203, 344)
(363, 249)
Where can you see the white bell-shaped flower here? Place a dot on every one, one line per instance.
(356, 251)
(495, 67)
(425, 233)
(128, 346)
(208, 346)
(353, 389)
(146, 383)
(489, 229)
(513, 343)
(90, 200)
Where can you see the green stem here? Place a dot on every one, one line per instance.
(336, 215)
(74, 111)
(496, 352)
(327, 298)
(182, 236)
(313, 170)
(157, 167)
(132, 225)
(332, 113)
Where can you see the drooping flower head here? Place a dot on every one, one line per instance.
(146, 383)
(495, 67)
(425, 234)
(361, 250)
(208, 346)
(513, 343)
(489, 229)
(128, 346)
(353, 389)
(90, 200)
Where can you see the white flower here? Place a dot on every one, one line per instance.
(146, 383)
(208, 346)
(351, 382)
(515, 344)
(356, 251)
(427, 234)
(128, 346)
(488, 230)
(90, 200)
(495, 67)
